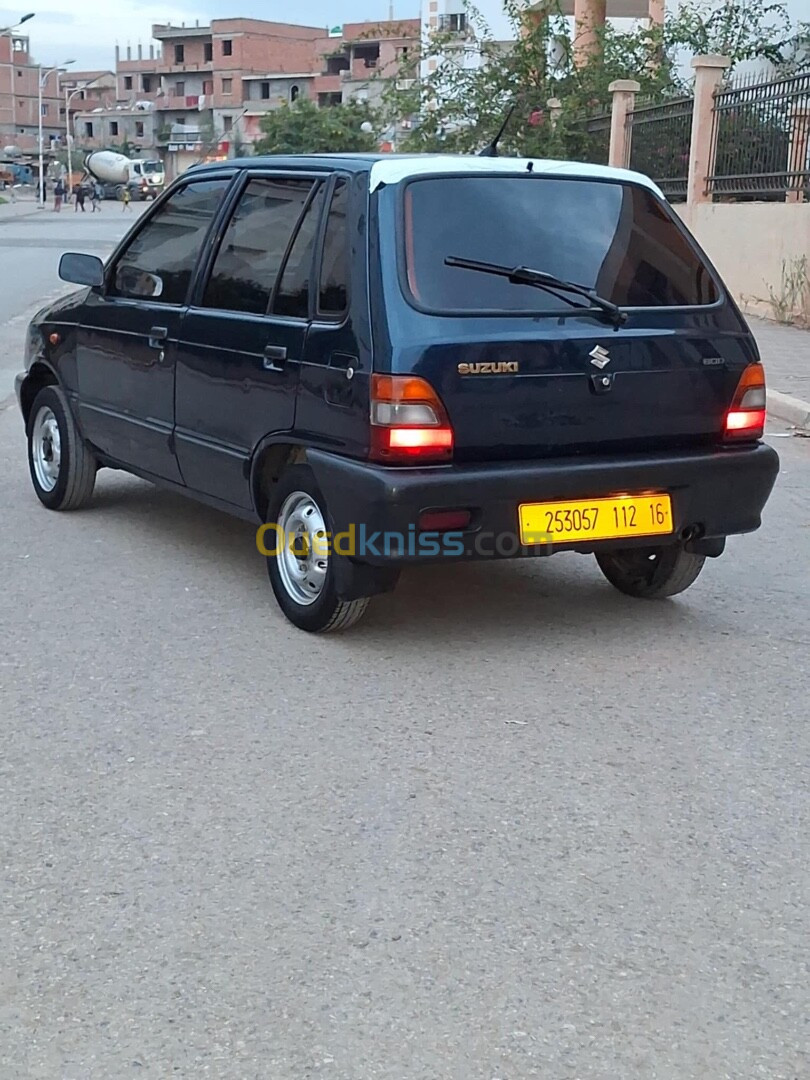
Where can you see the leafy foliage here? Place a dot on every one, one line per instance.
(303, 128)
(473, 83)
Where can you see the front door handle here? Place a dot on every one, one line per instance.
(275, 358)
(158, 337)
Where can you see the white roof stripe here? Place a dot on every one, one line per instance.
(397, 168)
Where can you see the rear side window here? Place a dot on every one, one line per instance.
(159, 262)
(292, 292)
(615, 238)
(333, 295)
(255, 243)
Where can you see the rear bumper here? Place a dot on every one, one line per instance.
(714, 494)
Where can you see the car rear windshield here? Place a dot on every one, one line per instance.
(614, 238)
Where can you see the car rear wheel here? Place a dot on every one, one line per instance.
(650, 573)
(300, 562)
(63, 471)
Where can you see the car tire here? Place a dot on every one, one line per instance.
(63, 470)
(303, 577)
(650, 573)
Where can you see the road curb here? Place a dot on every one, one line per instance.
(791, 410)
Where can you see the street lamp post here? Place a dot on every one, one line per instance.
(11, 89)
(42, 81)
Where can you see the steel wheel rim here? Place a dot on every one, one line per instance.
(302, 558)
(46, 448)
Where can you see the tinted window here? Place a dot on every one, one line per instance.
(615, 238)
(160, 260)
(292, 294)
(333, 297)
(254, 244)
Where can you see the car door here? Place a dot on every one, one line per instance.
(242, 340)
(333, 389)
(127, 337)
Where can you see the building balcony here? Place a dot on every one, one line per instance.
(327, 84)
(165, 67)
(179, 102)
(188, 139)
(360, 71)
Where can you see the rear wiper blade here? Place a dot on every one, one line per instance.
(525, 275)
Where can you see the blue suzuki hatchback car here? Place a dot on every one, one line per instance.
(391, 360)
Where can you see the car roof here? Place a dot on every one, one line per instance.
(394, 168)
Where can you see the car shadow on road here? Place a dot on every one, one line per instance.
(495, 600)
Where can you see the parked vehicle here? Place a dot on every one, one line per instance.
(145, 178)
(14, 173)
(392, 361)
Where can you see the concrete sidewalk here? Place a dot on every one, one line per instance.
(786, 355)
(25, 205)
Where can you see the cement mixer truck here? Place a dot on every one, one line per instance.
(144, 177)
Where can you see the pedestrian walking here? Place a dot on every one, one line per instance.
(78, 195)
(126, 199)
(58, 195)
(96, 197)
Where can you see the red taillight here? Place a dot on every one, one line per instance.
(408, 422)
(419, 438)
(746, 417)
(747, 421)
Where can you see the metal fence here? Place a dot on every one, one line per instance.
(659, 137)
(761, 134)
(589, 138)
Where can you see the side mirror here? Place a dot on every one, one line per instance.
(81, 269)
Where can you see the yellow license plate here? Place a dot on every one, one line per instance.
(618, 517)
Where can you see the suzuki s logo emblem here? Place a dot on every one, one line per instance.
(599, 357)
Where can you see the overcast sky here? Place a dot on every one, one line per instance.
(87, 30)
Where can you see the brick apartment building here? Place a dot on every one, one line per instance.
(204, 89)
(19, 90)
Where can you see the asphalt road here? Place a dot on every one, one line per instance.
(514, 825)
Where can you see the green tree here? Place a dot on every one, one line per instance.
(460, 105)
(304, 128)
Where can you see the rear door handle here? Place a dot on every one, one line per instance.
(275, 358)
(158, 336)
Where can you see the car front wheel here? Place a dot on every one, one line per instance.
(299, 558)
(63, 471)
(650, 573)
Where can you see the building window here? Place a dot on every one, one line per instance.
(179, 54)
(180, 89)
(146, 84)
(294, 91)
(113, 127)
(227, 123)
(264, 91)
(227, 48)
(454, 23)
(19, 74)
(127, 82)
(88, 129)
(139, 129)
(208, 52)
(44, 110)
(181, 120)
(227, 86)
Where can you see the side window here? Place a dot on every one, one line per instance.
(254, 245)
(159, 262)
(333, 294)
(292, 293)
